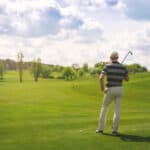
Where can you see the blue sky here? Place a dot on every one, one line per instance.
(75, 31)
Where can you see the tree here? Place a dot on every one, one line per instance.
(85, 67)
(80, 72)
(95, 71)
(133, 68)
(69, 73)
(36, 69)
(20, 66)
(57, 68)
(46, 71)
(76, 67)
(100, 64)
(1, 70)
(10, 64)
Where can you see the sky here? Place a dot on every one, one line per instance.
(67, 32)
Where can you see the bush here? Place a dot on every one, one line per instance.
(69, 73)
(81, 72)
(46, 71)
(51, 77)
(95, 71)
(60, 77)
(134, 68)
(85, 67)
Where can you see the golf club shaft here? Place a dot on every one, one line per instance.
(126, 56)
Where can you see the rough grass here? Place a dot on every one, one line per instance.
(52, 115)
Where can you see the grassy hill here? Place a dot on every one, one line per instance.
(52, 115)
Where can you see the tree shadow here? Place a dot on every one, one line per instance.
(2, 82)
(131, 138)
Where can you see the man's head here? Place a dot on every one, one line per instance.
(114, 55)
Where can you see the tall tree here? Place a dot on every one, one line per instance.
(1, 70)
(20, 66)
(36, 69)
(85, 67)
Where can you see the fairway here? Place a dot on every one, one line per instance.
(52, 115)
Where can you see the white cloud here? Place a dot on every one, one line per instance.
(30, 18)
(91, 31)
(121, 6)
(19, 6)
(71, 31)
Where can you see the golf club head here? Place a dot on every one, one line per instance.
(131, 52)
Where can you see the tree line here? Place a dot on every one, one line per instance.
(39, 69)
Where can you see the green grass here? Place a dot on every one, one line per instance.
(52, 115)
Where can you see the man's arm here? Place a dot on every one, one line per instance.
(126, 77)
(101, 81)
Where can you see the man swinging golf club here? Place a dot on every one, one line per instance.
(115, 73)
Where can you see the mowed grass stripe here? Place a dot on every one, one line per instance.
(51, 114)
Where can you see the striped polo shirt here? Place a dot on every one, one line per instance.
(115, 73)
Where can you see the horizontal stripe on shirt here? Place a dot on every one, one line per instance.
(115, 72)
(114, 76)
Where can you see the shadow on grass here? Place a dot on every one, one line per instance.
(131, 138)
(2, 80)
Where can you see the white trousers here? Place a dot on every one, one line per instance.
(113, 93)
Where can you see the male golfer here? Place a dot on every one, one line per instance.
(115, 73)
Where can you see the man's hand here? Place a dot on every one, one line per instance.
(101, 81)
(106, 90)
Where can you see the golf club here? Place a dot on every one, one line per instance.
(126, 56)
